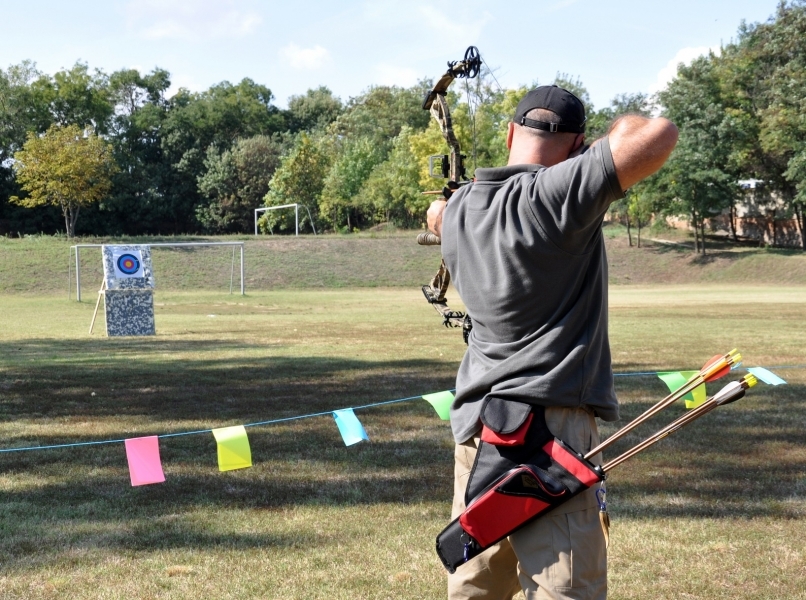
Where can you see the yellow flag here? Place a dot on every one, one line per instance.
(677, 379)
(233, 448)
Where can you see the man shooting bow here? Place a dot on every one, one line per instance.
(524, 247)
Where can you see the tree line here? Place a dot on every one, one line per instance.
(741, 116)
(201, 162)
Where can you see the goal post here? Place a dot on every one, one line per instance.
(295, 206)
(77, 250)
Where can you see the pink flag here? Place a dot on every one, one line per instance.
(143, 455)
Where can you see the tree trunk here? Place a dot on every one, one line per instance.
(799, 222)
(70, 217)
(639, 233)
(702, 237)
(696, 232)
(733, 221)
(774, 230)
(629, 233)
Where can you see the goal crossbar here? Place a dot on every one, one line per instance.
(295, 206)
(77, 250)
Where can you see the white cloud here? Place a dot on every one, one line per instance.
(191, 19)
(685, 56)
(305, 58)
(393, 75)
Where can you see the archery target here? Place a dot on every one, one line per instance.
(128, 264)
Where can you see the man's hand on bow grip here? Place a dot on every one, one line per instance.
(434, 216)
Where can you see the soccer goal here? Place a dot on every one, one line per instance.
(196, 269)
(295, 206)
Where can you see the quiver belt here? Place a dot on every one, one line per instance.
(512, 484)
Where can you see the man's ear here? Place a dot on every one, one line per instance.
(578, 147)
(510, 133)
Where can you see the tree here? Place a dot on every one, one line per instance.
(73, 97)
(299, 179)
(639, 208)
(137, 203)
(196, 121)
(392, 188)
(764, 75)
(350, 169)
(380, 114)
(622, 104)
(315, 110)
(236, 182)
(697, 181)
(66, 167)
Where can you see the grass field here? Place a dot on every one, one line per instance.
(716, 511)
(39, 264)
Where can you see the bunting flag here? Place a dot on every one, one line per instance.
(233, 448)
(145, 466)
(351, 429)
(143, 456)
(766, 376)
(441, 401)
(677, 379)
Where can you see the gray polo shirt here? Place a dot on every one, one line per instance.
(524, 248)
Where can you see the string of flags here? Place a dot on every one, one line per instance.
(234, 452)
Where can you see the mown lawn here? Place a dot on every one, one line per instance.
(717, 511)
(39, 264)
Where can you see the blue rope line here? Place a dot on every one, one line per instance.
(309, 416)
(199, 431)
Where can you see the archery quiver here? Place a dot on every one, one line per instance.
(521, 472)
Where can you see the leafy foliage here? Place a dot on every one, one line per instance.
(299, 179)
(235, 182)
(202, 161)
(66, 167)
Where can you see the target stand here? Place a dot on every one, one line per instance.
(127, 291)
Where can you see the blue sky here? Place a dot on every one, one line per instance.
(612, 46)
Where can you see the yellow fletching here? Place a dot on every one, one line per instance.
(750, 380)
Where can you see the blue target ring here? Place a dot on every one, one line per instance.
(128, 264)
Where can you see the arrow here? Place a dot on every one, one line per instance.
(716, 367)
(730, 393)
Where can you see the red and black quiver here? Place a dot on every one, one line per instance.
(521, 472)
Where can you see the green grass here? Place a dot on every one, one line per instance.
(716, 511)
(39, 264)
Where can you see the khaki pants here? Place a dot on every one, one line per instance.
(559, 556)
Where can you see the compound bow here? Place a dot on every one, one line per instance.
(450, 166)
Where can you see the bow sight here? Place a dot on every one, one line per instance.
(451, 167)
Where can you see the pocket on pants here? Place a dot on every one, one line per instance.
(580, 570)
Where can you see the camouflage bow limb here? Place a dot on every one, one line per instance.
(450, 166)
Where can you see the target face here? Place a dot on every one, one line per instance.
(129, 264)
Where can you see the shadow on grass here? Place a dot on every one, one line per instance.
(744, 460)
(159, 380)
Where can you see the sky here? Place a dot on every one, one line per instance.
(612, 47)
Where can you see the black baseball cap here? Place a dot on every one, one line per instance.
(559, 101)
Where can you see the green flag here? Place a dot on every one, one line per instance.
(441, 401)
(677, 379)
